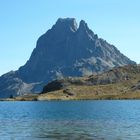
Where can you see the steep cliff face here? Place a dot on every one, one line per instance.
(64, 50)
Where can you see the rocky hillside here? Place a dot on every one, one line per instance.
(65, 50)
(118, 83)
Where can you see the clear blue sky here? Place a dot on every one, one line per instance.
(23, 21)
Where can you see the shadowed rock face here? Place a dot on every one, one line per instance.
(64, 50)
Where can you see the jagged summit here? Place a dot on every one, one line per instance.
(64, 50)
(83, 25)
(70, 23)
(66, 24)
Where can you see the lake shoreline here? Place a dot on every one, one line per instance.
(36, 99)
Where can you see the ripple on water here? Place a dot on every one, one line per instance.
(97, 120)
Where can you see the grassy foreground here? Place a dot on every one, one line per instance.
(107, 92)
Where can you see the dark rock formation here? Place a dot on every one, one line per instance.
(64, 50)
(136, 86)
(55, 85)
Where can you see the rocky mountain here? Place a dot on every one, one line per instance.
(65, 50)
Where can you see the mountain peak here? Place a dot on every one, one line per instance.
(66, 23)
(85, 31)
(83, 24)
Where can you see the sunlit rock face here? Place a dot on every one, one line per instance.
(65, 50)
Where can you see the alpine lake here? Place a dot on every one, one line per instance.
(70, 120)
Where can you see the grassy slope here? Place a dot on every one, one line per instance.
(111, 91)
(99, 88)
(102, 88)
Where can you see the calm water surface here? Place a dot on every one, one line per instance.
(74, 120)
